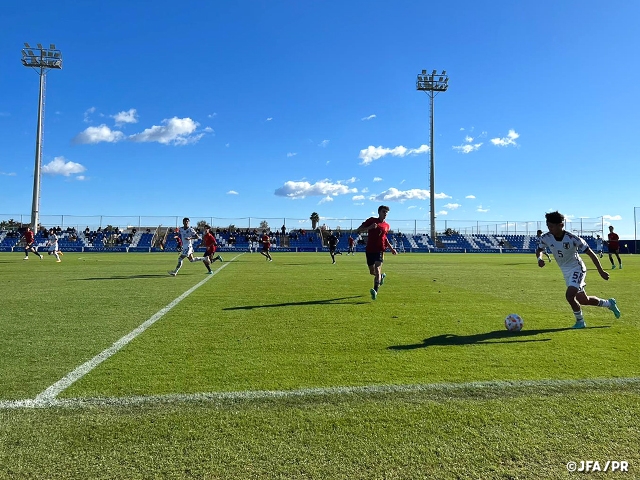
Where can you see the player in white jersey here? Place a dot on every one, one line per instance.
(599, 246)
(566, 249)
(52, 243)
(536, 239)
(187, 235)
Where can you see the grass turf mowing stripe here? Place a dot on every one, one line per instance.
(438, 390)
(54, 390)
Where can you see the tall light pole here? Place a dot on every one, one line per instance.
(432, 83)
(41, 59)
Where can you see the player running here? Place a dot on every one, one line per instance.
(614, 247)
(210, 243)
(30, 244)
(266, 245)
(187, 236)
(377, 243)
(52, 242)
(536, 239)
(332, 241)
(566, 248)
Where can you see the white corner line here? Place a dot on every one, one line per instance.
(54, 390)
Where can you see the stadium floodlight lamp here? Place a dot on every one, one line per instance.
(40, 59)
(432, 85)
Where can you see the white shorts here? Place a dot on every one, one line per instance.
(575, 277)
(186, 251)
(53, 248)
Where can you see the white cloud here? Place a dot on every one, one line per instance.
(510, 139)
(482, 210)
(125, 117)
(232, 192)
(87, 114)
(211, 115)
(325, 200)
(470, 196)
(468, 139)
(351, 180)
(298, 190)
(371, 153)
(612, 217)
(12, 174)
(81, 178)
(323, 143)
(377, 179)
(208, 129)
(98, 134)
(411, 207)
(176, 131)
(357, 198)
(467, 148)
(370, 117)
(291, 154)
(269, 119)
(452, 206)
(58, 166)
(395, 195)
(365, 190)
(443, 212)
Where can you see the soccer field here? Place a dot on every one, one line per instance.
(111, 368)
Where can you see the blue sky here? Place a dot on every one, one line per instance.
(277, 109)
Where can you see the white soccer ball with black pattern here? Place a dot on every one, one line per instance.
(513, 322)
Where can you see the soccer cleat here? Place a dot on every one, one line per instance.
(209, 272)
(58, 261)
(613, 306)
(382, 278)
(221, 260)
(26, 258)
(172, 273)
(333, 262)
(373, 293)
(41, 257)
(613, 267)
(620, 267)
(60, 253)
(580, 324)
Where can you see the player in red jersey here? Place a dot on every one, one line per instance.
(352, 246)
(377, 243)
(614, 247)
(211, 244)
(30, 244)
(266, 245)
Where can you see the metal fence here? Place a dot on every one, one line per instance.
(580, 226)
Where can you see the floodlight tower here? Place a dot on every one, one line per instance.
(432, 84)
(40, 59)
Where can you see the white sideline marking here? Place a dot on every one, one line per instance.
(54, 390)
(496, 386)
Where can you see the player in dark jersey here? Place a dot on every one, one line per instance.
(614, 247)
(332, 242)
(30, 244)
(377, 243)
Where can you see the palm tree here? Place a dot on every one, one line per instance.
(315, 219)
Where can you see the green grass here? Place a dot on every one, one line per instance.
(301, 323)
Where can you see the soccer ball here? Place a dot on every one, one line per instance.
(513, 322)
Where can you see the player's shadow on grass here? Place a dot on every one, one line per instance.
(498, 336)
(328, 301)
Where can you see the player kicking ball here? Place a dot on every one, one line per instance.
(187, 235)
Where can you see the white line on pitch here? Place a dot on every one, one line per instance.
(446, 389)
(54, 390)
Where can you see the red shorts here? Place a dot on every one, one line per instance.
(210, 251)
